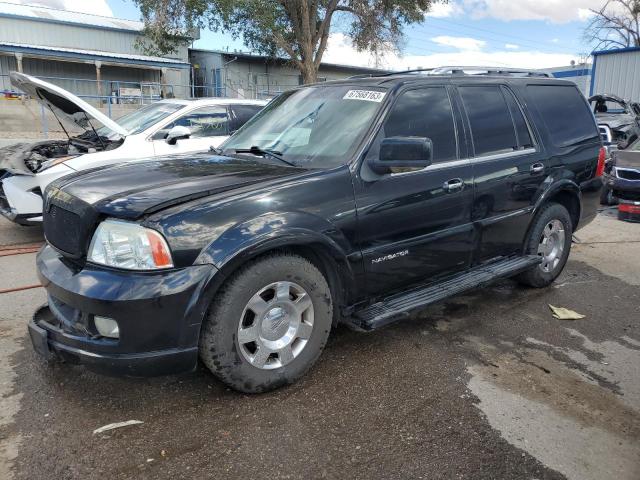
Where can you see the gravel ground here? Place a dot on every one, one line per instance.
(485, 385)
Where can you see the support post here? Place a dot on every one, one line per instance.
(19, 61)
(163, 82)
(99, 79)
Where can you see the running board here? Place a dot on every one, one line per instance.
(397, 307)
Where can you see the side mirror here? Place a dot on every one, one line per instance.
(403, 152)
(178, 132)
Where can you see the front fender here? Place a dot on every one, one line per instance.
(276, 230)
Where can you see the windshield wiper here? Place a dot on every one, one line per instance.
(255, 150)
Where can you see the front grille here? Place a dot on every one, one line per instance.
(68, 223)
(628, 173)
(605, 133)
(63, 230)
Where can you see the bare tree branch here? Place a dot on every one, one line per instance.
(615, 25)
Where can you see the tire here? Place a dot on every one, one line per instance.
(275, 300)
(556, 216)
(606, 197)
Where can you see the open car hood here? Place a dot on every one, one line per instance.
(63, 102)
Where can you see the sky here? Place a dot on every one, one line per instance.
(509, 33)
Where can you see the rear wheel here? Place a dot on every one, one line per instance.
(550, 239)
(268, 325)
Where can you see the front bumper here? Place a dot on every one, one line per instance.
(17, 203)
(623, 188)
(158, 313)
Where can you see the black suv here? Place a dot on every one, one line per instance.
(353, 201)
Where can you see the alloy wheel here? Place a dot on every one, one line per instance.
(275, 325)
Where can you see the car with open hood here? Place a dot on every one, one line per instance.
(618, 120)
(355, 201)
(171, 126)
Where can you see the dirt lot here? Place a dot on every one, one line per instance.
(486, 385)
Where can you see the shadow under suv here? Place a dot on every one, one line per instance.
(353, 201)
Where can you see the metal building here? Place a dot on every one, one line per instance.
(90, 55)
(617, 72)
(578, 73)
(244, 75)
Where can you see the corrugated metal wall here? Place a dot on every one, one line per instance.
(619, 74)
(30, 32)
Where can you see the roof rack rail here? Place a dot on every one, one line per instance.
(477, 70)
(472, 71)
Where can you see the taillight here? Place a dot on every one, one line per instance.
(602, 156)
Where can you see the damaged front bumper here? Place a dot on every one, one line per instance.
(158, 314)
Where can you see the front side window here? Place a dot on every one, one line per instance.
(205, 122)
(492, 127)
(316, 127)
(425, 113)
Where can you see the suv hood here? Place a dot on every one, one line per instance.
(62, 102)
(132, 190)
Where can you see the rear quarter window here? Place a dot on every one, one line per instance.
(565, 113)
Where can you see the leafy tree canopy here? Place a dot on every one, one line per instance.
(294, 29)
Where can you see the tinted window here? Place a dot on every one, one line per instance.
(565, 113)
(424, 113)
(491, 125)
(204, 122)
(522, 130)
(241, 114)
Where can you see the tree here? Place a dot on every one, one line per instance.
(295, 29)
(615, 25)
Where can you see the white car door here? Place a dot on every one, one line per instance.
(209, 126)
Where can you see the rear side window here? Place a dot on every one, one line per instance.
(565, 113)
(426, 113)
(491, 121)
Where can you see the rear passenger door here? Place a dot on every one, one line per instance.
(415, 224)
(508, 168)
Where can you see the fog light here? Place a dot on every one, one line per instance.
(107, 327)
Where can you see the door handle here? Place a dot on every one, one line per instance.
(537, 168)
(453, 185)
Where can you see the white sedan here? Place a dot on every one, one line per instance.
(163, 128)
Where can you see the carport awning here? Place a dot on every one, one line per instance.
(73, 54)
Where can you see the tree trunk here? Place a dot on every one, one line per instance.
(309, 72)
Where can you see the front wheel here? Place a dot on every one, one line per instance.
(550, 239)
(268, 325)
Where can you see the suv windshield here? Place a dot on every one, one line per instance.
(145, 117)
(317, 127)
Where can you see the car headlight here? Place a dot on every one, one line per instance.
(129, 245)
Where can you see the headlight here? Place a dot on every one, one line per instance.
(129, 245)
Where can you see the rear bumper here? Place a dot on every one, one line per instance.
(590, 201)
(158, 313)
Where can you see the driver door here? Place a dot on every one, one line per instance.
(415, 225)
(209, 126)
